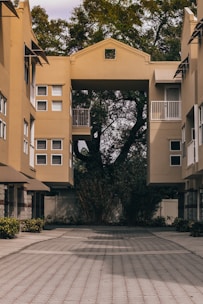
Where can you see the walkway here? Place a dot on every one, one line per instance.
(102, 265)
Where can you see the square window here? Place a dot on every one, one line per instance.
(41, 144)
(41, 159)
(110, 53)
(41, 105)
(56, 144)
(56, 90)
(175, 145)
(57, 105)
(42, 90)
(175, 160)
(56, 159)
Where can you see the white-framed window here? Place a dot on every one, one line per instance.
(175, 160)
(42, 105)
(41, 159)
(57, 105)
(57, 90)
(183, 141)
(110, 54)
(201, 125)
(175, 145)
(57, 144)
(42, 90)
(3, 130)
(3, 104)
(41, 144)
(56, 159)
(25, 128)
(25, 146)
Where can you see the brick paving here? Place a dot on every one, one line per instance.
(102, 265)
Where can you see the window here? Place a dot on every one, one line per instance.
(41, 159)
(41, 105)
(56, 90)
(175, 145)
(42, 90)
(183, 141)
(57, 105)
(25, 128)
(2, 129)
(201, 124)
(25, 146)
(110, 53)
(175, 160)
(56, 159)
(56, 144)
(41, 144)
(3, 104)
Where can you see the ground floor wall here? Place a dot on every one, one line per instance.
(168, 208)
(62, 207)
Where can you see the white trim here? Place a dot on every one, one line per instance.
(45, 158)
(61, 156)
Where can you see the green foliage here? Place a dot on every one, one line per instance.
(32, 225)
(9, 227)
(51, 34)
(182, 225)
(197, 229)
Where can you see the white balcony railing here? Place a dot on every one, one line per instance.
(165, 110)
(81, 117)
(191, 153)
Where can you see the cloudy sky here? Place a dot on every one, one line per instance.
(57, 8)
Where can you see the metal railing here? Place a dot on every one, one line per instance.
(81, 117)
(165, 110)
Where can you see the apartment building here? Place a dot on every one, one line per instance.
(38, 124)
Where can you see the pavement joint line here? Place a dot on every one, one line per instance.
(105, 252)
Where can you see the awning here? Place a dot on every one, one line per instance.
(8, 175)
(165, 76)
(10, 6)
(183, 67)
(39, 52)
(30, 53)
(35, 185)
(197, 31)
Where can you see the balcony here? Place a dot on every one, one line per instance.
(81, 123)
(165, 110)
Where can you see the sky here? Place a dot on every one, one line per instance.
(57, 9)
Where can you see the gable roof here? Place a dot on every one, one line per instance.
(107, 42)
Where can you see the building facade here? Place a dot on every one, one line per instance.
(38, 124)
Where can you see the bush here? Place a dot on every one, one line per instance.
(32, 225)
(197, 229)
(182, 225)
(159, 221)
(9, 227)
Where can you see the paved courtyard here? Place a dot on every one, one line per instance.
(102, 265)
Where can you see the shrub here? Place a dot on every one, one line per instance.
(159, 221)
(197, 229)
(32, 225)
(9, 227)
(182, 225)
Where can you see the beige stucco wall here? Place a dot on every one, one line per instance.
(55, 125)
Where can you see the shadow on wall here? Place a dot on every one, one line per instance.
(62, 208)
